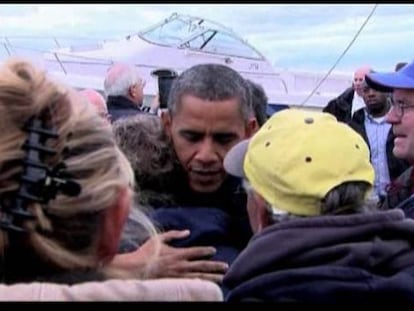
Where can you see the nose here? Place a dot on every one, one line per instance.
(391, 116)
(206, 153)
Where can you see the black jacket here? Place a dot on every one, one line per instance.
(121, 107)
(341, 106)
(328, 259)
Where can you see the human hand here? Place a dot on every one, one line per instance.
(155, 104)
(171, 261)
(188, 262)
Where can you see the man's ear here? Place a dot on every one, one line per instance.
(166, 121)
(252, 127)
(262, 214)
(113, 222)
(131, 91)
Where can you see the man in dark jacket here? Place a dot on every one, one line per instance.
(124, 89)
(209, 111)
(344, 106)
(317, 239)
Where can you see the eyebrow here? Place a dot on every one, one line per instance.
(214, 134)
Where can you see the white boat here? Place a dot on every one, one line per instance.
(179, 42)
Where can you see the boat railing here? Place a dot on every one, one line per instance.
(55, 56)
(45, 49)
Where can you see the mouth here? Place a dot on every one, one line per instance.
(205, 173)
(398, 139)
(398, 135)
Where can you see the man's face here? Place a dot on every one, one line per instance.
(359, 78)
(202, 132)
(137, 92)
(376, 102)
(403, 126)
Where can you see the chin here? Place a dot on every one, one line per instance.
(203, 188)
(400, 154)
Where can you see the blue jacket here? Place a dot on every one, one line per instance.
(215, 219)
(208, 226)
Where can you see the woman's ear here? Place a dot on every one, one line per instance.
(113, 222)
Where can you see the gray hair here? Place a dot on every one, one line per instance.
(211, 82)
(143, 141)
(347, 198)
(120, 78)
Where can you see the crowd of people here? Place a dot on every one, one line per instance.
(210, 199)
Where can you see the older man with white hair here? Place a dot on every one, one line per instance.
(124, 88)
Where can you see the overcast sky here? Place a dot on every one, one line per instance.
(299, 36)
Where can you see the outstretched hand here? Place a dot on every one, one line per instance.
(188, 262)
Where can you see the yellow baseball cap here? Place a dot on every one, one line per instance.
(298, 156)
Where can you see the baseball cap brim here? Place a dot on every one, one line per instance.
(271, 109)
(234, 159)
(387, 82)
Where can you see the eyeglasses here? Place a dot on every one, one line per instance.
(399, 107)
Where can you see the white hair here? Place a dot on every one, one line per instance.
(119, 79)
(273, 210)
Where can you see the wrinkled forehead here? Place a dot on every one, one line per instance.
(404, 95)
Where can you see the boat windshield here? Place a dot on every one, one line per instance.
(199, 34)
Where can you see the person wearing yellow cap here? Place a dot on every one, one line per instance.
(317, 238)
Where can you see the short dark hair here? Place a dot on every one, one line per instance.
(211, 82)
(259, 101)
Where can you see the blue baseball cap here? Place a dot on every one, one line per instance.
(387, 82)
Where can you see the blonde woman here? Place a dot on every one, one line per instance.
(66, 232)
(65, 192)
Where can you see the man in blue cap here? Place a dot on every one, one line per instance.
(401, 117)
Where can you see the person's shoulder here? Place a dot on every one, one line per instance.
(115, 290)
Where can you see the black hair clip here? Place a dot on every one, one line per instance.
(38, 183)
(57, 180)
